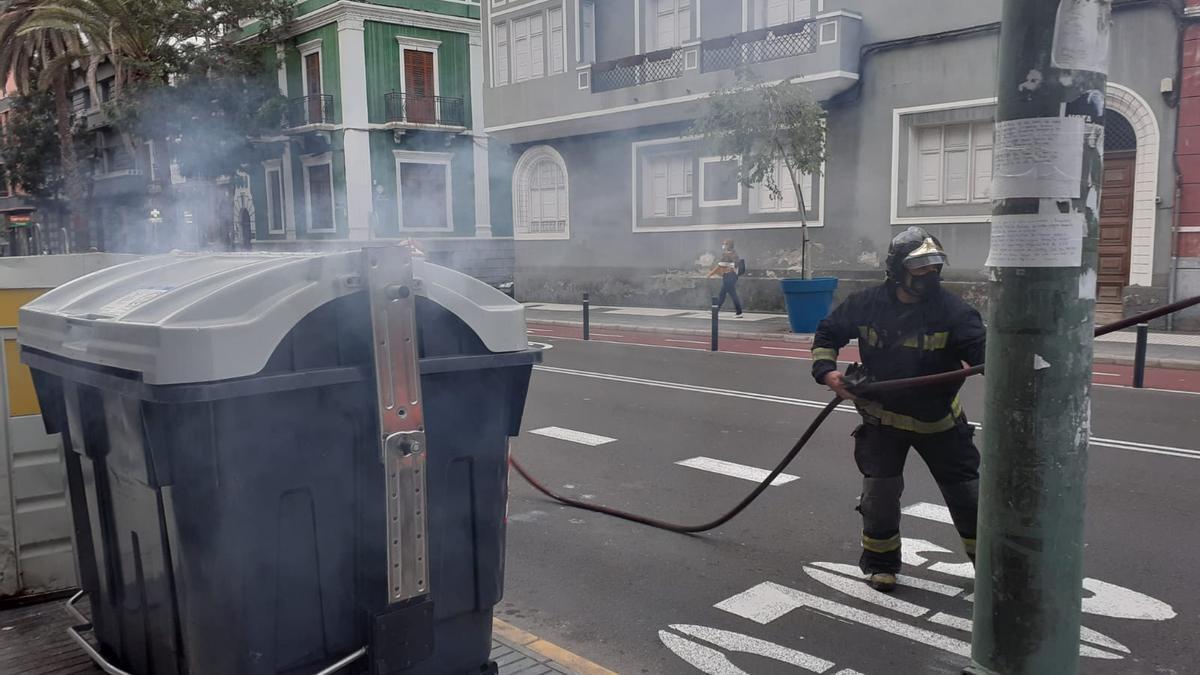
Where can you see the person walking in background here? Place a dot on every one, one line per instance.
(729, 267)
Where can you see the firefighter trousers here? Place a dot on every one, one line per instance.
(880, 453)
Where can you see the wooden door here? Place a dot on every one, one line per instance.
(1116, 233)
(312, 73)
(419, 103)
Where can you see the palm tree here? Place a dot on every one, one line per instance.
(42, 57)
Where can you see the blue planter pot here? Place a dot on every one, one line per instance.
(808, 301)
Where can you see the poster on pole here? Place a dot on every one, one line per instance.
(1081, 35)
(1038, 157)
(1037, 240)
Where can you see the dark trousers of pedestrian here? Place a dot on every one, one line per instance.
(880, 453)
(729, 288)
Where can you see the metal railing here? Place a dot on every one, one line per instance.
(405, 108)
(758, 46)
(631, 71)
(308, 110)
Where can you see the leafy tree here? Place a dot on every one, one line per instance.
(765, 125)
(31, 153)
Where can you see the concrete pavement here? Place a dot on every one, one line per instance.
(677, 434)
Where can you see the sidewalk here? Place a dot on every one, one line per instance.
(1165, 350)
(34, 641)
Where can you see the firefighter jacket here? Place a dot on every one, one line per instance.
(898, 340)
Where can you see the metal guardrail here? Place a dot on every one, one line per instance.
(309, 110)
(631, 71)
(758, 46)
(404, 108)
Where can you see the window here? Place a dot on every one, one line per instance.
(719, 185)
(671, 23)
(419, 79)
(318, 188)
(81, 101)
(500, 54)
(114, 156)
(522, 47)
(950, 164)
(557, 55)
(540, 205)
(423, 190)
(275, 212)
(776, 12)
(587, 32)
(668, 189)
(763, 200)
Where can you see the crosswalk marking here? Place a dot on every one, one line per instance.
(934, 512)
(580, 437)
(741, 471)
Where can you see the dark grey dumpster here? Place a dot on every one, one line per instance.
(260, 480)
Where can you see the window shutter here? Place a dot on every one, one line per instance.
(683, 16)
(801, 9)
(658, 189)
(556, 41)
(982, 136)
(778, 12)
(666, 24)
(500, 54)
(520, 38)
(537, 46)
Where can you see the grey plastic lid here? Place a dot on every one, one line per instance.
(183, 318)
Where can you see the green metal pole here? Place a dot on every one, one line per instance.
(1046, 185)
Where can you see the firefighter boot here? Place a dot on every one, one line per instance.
(880, 509)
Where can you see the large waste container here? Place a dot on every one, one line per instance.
(269, 485)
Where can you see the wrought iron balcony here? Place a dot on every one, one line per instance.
(665, 64)
(758, 46)
(418, 109)
(309, 110)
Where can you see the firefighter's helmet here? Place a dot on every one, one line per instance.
(911, 249)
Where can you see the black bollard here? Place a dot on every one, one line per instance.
(715, 308)
(587, 318)
(1139, 355)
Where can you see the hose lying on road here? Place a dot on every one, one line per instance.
(874, 387)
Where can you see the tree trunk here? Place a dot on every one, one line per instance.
(74, 184)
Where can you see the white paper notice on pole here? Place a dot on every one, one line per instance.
(1081, 35)
(1037, 240)
(1038, 157)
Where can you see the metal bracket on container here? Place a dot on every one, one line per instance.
(388, 272)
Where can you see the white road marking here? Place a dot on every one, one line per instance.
(1133, 446)
(855, 588)
(647, 311)
(744, 644)
(541, 345)
(787, 349)
(1108, 374)
(767, 599)
(1123, 603)
(689, 342)
(1086, 635)
(555, 307)
(580, 437)
(705, 659)
(904, 580)
(742, 471)
(743, 318)
(539, 330)
(934, 512)
(607, 335)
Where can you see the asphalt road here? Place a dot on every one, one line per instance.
(641, 600)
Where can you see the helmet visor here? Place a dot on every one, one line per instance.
(928, 253)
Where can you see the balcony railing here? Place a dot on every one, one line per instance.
(757, 46)
(631, 71)
(420, 109)
(309, 110)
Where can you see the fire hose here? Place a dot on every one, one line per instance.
(864, 390)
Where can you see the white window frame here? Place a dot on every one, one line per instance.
(306, 49)
(530, 159)
(648, 184)
(309, 163)
(507, 47)
(761, 10)
(556, 66)
(761, 193)
(971, 150)
(636, 191)
(704, 162)
(550, 66)
(899, 135)
(655, 14)
(276, 166)
(419, 45)
(444, 159)
(833, 34)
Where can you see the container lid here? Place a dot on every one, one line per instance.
(183, 318)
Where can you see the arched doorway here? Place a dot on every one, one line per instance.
(1116, 216)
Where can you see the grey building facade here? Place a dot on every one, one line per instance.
(589, 103)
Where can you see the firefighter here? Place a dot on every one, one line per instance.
(906, 327)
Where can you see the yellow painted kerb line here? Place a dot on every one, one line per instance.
(576, 663)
